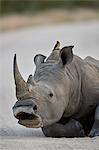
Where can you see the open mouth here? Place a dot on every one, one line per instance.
(29, 120)
(27, 117)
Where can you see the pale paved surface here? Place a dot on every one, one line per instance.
(39, 143)
(26, 43)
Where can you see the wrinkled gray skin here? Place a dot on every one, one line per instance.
(62, 97)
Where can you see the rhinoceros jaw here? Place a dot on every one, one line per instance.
(30, 120)
(35, 123)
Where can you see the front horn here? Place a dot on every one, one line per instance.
(19, 81)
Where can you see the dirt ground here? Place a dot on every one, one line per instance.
(41, 143)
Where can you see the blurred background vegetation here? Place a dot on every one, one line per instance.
(31, 6)
(23, 13)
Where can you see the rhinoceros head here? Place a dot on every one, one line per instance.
(41, 99)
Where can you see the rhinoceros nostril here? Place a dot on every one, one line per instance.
(34, 107)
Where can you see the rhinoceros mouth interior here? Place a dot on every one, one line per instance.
(26, 116)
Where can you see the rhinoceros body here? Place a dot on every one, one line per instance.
(63, 95)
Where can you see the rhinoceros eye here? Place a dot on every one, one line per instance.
(51, 94)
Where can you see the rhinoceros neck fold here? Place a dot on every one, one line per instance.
(74, 74)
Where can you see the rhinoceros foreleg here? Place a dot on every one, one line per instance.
(71, 129)
(95, 129)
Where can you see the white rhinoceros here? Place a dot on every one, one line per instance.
(62, 97)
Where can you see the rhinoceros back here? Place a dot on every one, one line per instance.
(92, 61)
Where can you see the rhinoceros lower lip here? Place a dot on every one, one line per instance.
(29, 120)
(31, 123)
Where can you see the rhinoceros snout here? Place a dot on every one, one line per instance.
(26, 113)
(22, 108)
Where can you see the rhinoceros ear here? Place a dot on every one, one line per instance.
(38, 59)
(66, 54)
